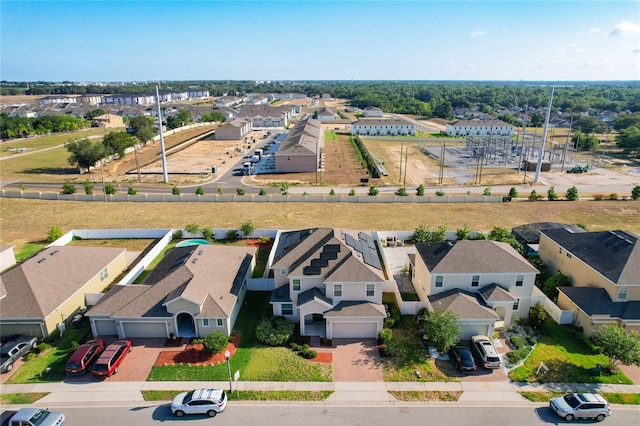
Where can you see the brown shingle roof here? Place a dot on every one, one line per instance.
(356, 309)
(463, 304)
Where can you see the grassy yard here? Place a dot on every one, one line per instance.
(567, 358)
(41, 142)
(254, 361)
(613, 398)
(33, 371)
(29, 250)
(248, 395)
(412, 357)
(21, 398)
(135, 244)
(427, 395)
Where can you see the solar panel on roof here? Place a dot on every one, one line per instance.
(311, 270)
(350, 240)
(320, 262)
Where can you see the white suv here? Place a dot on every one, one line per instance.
(488, 355)
(199, 401)
(581, 405)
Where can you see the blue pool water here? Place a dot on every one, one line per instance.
(188, 243)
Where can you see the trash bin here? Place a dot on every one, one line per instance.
(213, 169)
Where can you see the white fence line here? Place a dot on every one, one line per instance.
(559, 315)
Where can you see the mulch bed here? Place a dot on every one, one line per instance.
(195, 354)
(323, 357)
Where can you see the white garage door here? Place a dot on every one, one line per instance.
(144, 329)
(345, 330)
(472, 330)
(106, 327)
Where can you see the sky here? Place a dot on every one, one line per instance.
(91, 41)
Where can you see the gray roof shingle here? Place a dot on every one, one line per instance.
(356, 309)
(463, 304)
(596, 301)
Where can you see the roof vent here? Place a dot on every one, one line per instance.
(53, 252)
(194, 261)
(41, 260)
(200, 252)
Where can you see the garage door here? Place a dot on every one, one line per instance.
(345, 330)
(472, 330)
(144, 329)
(106, 327)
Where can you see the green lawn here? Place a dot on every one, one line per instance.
(42, 142)
(33, 371)
(330, 136)
(567, 358)
(613, 398)
(21, 398)
(29, 250)
(254, 361)
(248, 395)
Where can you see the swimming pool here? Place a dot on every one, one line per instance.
(195, 242)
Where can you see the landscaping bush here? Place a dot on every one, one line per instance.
(518, 355)
(517, 341)
(214, 343)
(240, 191)
(308, 353)
(42, 347)
(440, 193)
(385, 335)
(531, 341)
(599, 197)
(420, 190)
(487, 191)
(110, 189)
(132, 191)
(199, 191)
(635, 192)
(402, 192)
(175, 190)
(613, 197)
(275, 331)
(262, 192)
(513, 192)
(68, 188)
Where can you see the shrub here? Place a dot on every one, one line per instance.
(295, 346)
(390, 322)
(440, 193)
(131, 191)
(110, 189)
(53, 234)
(373, 191)
(402, 192)
(552, 194)
(42, 347)
(177, 234)
(531, 341)
(262, 192)
(385, 335)
(199, 191)
(352, 192)
(537, 316)
(232, 234)
(207, 233)
(572, 194)
(635, 192)
(613, 196)
(214, 342)
(487, 191)
(332, 192)
(420, 190)
(192, 228)
(598, 197)
(275, 331)
(30, 356)
(517, 341)
(308, 353)
(88, 187)
(513, 192)
(68, 188)
(533, 196)
(390, 348)
(519, 354)
(239, 191)
(220, 190)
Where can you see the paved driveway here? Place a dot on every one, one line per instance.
(356, 360)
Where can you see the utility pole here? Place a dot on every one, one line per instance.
(566, 145)
(165, 175)
(406, 151)
(544, 138)
(400, 175)
(524, 135)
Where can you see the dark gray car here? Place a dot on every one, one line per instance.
(12, 351)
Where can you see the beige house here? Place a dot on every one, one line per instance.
(372, 111)
(479, 128)
(49, 288)
(107, 121)
(604, 270)
(330, 282)
(300, 150)
(487, 284)
(235, 129)
(7, 257)
(192, 292)
(383, 127)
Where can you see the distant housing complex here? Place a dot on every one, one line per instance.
(383, 127)
(300, 150)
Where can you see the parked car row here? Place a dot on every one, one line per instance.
(484, 351)
(103, 362)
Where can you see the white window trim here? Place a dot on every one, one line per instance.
(336, 287)
(219, 322)
(373, 290)
(623, 294)
(205, 322)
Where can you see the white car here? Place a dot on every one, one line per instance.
(581, 405)
(488, 355)
(199, 401)
(36, 417)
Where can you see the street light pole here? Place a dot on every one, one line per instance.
(227, 355)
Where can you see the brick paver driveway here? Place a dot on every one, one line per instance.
(356, 360)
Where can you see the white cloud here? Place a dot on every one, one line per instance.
(625, 28)
(471, 65)
(594, 30)
(478, 33)
(635, 50)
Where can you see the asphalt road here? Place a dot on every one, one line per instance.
(246, 413)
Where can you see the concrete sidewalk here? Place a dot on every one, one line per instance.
(473, 392)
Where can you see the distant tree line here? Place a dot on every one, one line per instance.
(20, 127)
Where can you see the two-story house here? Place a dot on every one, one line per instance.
(486, 284)
(604, 271)
(330, 282)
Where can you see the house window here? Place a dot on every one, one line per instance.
(287, 309)
(337, 290)
(569, 255)
(519, 280)
(622, 293)
(296, 285)
(439, 280)
(371, 290)
(475, 281)
(283, 271)
(516, 305)
(219, 322)
(205, 322)
(104, 274)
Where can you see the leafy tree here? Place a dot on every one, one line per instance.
(624, 121)
(504, 235)
(373, 191)
(618, 345)
(513, 192)
(185, 116)
(423, 234)
(53, 234)
(68, 188)
(463, 233)
(118, 142)
(552, 194)
(90, 115)
(572, 194)
(84, 153)
(175, 190)
(88, 187)
(541, 267)
(402, 192)
(537, 119)
(584, 141)
(199, 191)
(533, 196)
(140, 122)
(420, 190)
(232, 234)
(214, 343)
(487, 191)
(551, 286)
(145, 134)
(192, 228)
(635, 192)
(173, 122)
(274, 331)
(441, 329)
(247, 229)
(131, 191)
(110, 189)
(207, 233)
(587, 124)
(629, 139)
(537, 316)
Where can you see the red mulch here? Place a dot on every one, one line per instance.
(194, 354)
(323, 357)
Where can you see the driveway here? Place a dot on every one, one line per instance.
(356, 360)
(135, 367)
